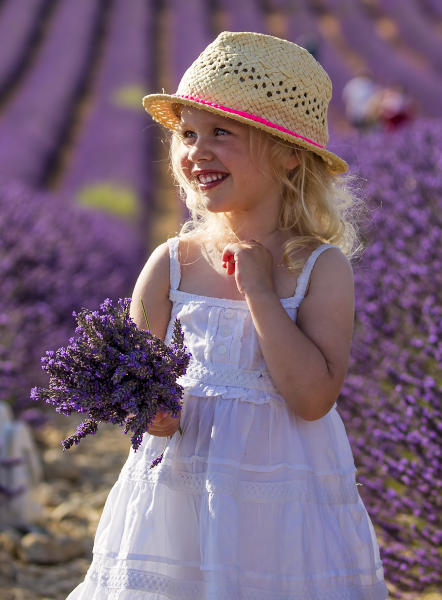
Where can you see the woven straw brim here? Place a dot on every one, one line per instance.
(159, 106)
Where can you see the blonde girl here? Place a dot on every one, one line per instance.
(257, 498)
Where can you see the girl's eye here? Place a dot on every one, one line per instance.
(188, 133)
(221, 131)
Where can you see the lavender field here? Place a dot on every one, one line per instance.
(85, 196)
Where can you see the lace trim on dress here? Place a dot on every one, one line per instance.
(308, 488)
(113, 575)
(227, 376)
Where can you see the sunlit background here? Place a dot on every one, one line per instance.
(86, 194)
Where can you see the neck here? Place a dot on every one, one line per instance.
(245, 229)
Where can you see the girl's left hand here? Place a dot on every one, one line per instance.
(252, 265)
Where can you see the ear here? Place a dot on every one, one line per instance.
(291, 161)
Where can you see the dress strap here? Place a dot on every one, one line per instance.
(304, 277)
(175, 270)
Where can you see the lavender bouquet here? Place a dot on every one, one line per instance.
(115, 373)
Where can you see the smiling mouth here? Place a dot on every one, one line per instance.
(211, 180)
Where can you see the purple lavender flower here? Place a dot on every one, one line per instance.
(114, 372)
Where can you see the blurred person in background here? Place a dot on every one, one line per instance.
(360, 96)
(394, 107)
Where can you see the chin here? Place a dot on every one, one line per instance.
(215, 206)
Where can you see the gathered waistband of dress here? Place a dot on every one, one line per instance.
(227, 376)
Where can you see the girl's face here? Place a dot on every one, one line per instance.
(215, 158)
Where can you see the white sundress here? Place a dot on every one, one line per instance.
(251, 502)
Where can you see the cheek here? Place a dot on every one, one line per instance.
(185, 165)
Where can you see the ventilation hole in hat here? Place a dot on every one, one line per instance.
(264, 85)
(269, 94)
(307, 112)
(278, 92)
(305, 94)
(250, 76)
(299, 95)
(317, 117)
(285, 90)
(291, 97)
(323, 122)
(239, 64)
(283, 99)
(258, 76)
(313, 109)
(245, 70)
(314, 99)
(294, 88)
(256, 86)
(241, 79)
(222, 66)
(296, 105)
(303, 103)
(280, 83)
(236, 71)
(253, 69)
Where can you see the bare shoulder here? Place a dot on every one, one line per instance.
(326, 314)
(152, 286)
(332, 273)
(156, 269)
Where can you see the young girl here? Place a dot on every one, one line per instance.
(257, 498)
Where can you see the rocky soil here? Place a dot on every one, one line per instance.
(48, 558)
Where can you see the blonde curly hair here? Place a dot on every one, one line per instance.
(317, 206)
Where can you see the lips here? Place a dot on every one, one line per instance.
(211, 179)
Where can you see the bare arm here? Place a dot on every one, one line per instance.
(152, 287)
(308, 360)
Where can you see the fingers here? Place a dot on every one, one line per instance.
(228, 258)
(230, 251)
(164, 424)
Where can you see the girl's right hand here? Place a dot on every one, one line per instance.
(164, 425)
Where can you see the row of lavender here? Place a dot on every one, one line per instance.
(34, 123)
(391, 399)
(99, 50)
(387, 66)
(111, 143)
(55, 257)
(20, 24)
(114, 149)
(414, 28)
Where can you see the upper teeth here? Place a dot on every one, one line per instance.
(209, 178)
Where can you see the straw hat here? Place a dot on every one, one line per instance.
(260, 80)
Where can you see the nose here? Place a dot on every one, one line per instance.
(200, 151)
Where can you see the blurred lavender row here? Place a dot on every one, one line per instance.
(19, 26)
(383, 61)
(55, 258)
(246, 15)
(390, 402)
(113, 153)
(415, 29)
(32, 126)
(190, 33)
